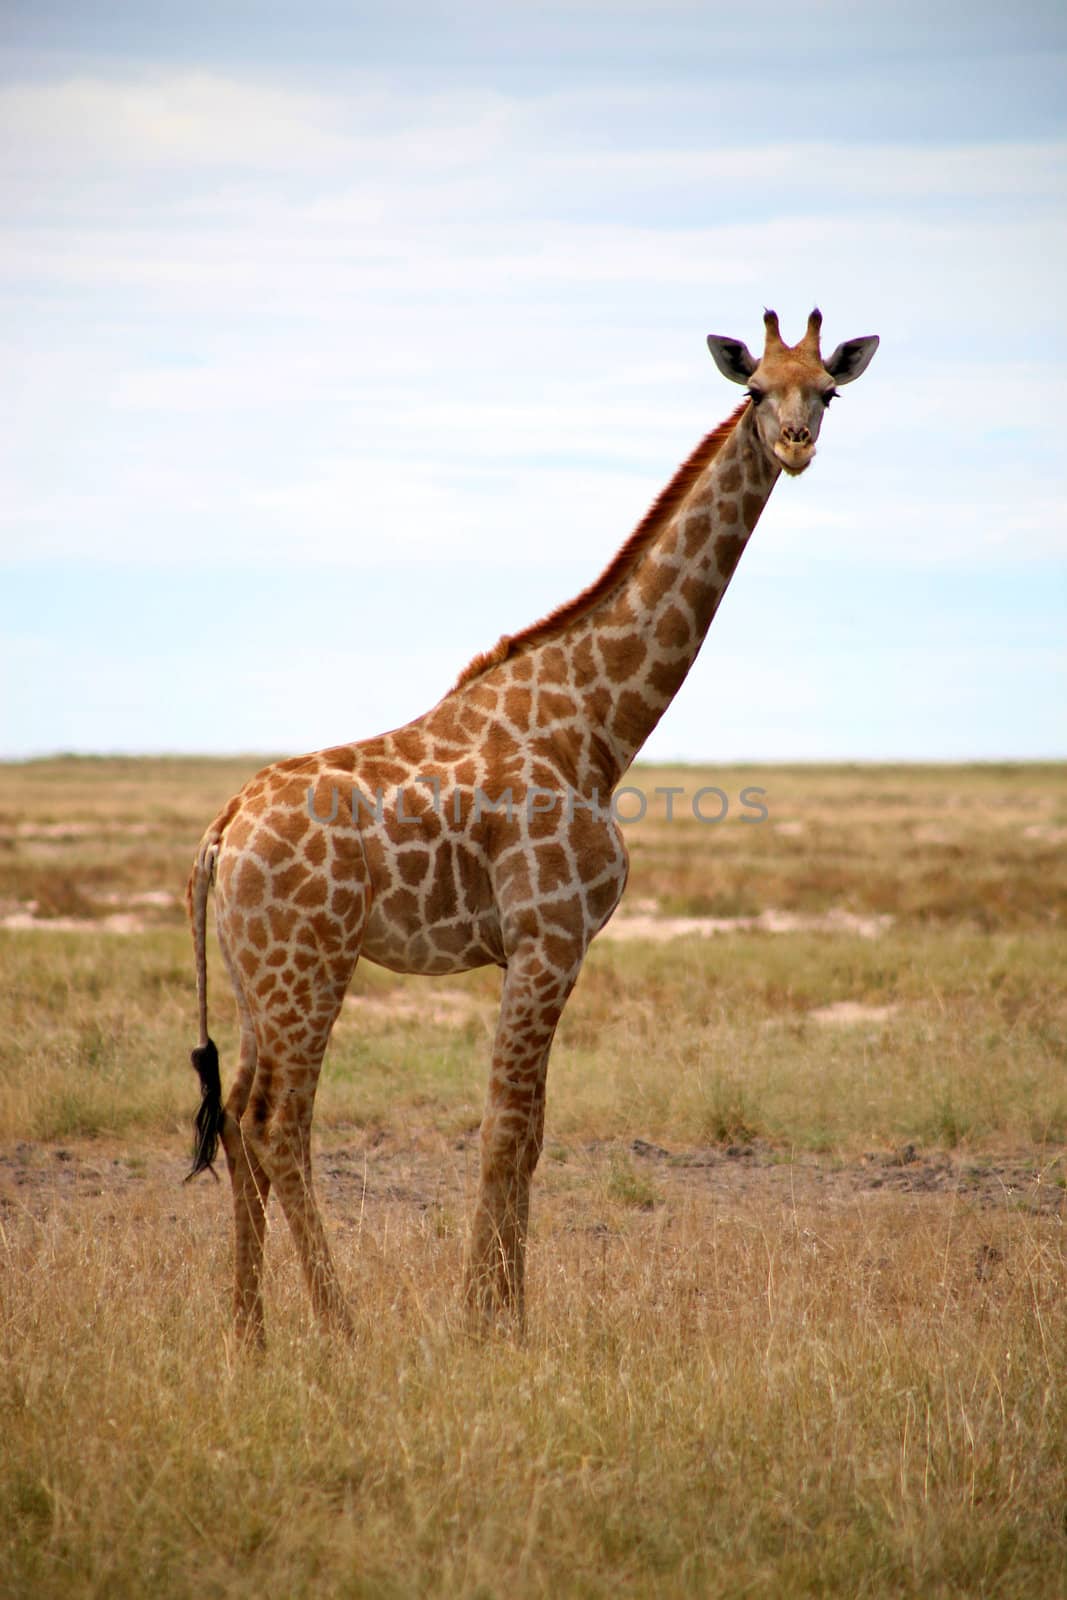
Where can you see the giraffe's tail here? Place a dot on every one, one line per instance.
(205, 1057)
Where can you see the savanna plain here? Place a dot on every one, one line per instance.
(796, 1276)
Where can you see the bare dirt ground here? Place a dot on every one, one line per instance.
(374, 1178)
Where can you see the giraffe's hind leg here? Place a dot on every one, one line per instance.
(250, 1184)
(251, 1188)
(292, 922)
(276, 1132)
(293, 1006)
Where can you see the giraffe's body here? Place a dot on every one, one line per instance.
(479, 834)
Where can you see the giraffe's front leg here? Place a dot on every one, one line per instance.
(535, 993)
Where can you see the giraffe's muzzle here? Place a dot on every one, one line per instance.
(794, 448)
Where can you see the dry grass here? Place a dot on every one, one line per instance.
(797, 1273)
(80, 834)
(770, 1397)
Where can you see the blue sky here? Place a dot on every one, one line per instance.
(338, 341)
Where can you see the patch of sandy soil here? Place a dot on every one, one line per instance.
(128, 915)
(641, 921)
(1047, 832)
(161, 898)
(851, 1014)
(451, 1008)
(932, 833)
(83, 830)
(640, 924)
(27, 921)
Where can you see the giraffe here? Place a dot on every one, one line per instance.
(481, 833)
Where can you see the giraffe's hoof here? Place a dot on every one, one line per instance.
(489, 1311)
(250, 1338)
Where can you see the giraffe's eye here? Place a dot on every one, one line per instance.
(755, 395)
(828, 395)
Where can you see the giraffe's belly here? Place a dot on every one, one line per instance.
(432, 908)
(455, 945)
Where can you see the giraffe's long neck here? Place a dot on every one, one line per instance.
(640, 642)
(585, 687)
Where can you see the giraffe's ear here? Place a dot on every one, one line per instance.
(733, 359)
(852, 358)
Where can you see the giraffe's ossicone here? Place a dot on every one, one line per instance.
(479, 833)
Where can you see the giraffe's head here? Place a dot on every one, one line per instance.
(791, 385)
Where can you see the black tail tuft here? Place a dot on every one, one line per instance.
(209, 1118)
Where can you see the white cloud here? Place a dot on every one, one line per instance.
(355, 148)
(175, 119)
(257, 324)
(804, 171)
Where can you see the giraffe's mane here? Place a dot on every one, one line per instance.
(621, 564)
